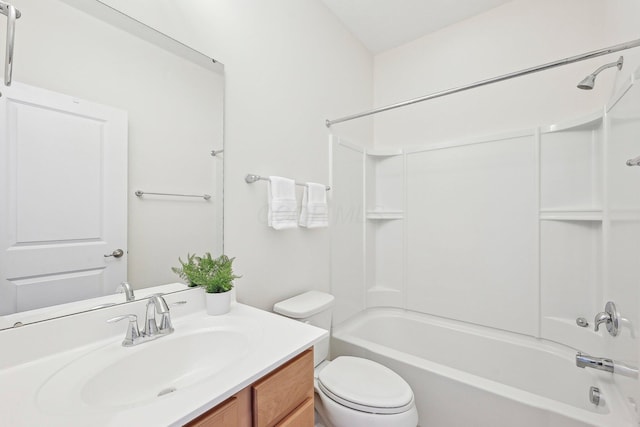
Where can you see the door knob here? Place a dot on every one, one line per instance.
(116, 254)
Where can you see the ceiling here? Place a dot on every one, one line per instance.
(385, 24)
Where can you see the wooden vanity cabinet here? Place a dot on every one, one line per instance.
(233, 412)
(282, 398)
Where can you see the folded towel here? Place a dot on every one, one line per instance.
(314, 212)
(282, 203)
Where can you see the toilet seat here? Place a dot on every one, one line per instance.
(365, 385)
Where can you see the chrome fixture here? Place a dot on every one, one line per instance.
(603, 364)
(251, 178)
(152, 330)
(132, 336)
(634, 162)
(126, 288)
(549, 65)
(142, 193)
(157, 304)
(588, 82)
(216, 152)
(116, 254)
(599, 363)
(12, 14)
(610, 317)
(594, 395)
(582, 322)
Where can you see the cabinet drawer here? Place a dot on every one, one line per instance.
(223, 415)
(280, 393)
(233, 412)
(302, 416)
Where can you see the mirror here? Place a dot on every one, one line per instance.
(171, 98)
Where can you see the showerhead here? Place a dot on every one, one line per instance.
(588, 82)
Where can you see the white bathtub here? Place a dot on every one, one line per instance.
(466, 375)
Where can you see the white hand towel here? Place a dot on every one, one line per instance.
(315, 211)
(282, 211)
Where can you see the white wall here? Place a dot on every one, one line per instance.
(515, 36)
(289, 65)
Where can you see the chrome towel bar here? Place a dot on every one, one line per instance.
(12, 14)
(251, 178)
(142, 193)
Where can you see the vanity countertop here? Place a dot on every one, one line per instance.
(49, 371)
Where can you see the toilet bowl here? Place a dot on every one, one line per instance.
(350, 391)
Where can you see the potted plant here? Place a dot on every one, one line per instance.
(214, 275)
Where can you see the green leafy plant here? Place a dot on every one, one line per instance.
(215, 275)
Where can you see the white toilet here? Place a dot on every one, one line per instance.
(350, 391)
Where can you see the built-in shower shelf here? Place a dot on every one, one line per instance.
(384, 215)
(385, 152)
(571, 215)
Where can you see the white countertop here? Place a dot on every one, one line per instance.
(30, 357)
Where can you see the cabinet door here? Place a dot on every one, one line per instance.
(302, 416)
(280, 393)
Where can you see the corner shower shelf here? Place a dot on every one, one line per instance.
(384, 152)
(571, 214)
(385, 215)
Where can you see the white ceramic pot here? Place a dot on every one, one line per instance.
(219, 303)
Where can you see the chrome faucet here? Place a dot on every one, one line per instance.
(607, 365)
(599, 363)
(156, 304)
(126, 288)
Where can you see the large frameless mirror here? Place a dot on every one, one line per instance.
(112, 159)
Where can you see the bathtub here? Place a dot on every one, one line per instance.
(467, 375)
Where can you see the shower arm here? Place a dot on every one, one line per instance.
(582, 57)
(618, 64)
(12, 14)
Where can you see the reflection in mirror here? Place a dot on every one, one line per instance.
(102, 107)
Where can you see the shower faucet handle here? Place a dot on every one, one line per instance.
(610, 317)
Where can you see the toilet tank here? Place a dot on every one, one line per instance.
(314, 308)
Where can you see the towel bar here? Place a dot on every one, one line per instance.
(141, 193)
(251, 178)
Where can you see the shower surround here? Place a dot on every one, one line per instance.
(522, 232)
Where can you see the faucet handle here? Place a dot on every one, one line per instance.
(133, 333)
(610, 317)
(602, 317)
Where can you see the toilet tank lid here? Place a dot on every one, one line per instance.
(304, 305)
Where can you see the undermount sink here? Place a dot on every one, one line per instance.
(114, 376)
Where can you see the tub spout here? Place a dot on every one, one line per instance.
(599, 363)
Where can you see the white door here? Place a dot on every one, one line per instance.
(63, 198)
